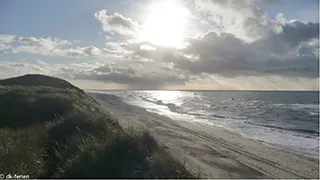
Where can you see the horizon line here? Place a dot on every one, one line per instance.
(194, 90)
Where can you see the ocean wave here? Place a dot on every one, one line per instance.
(298, 106)
(273, 126)
(258, 118)
(314, 113)
(312, 109)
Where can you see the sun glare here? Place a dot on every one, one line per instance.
(165, 24)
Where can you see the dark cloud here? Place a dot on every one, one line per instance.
(216, 54)
(301, 66)
(291, 35)
(126, 76)
(296, 32)
(282, 54)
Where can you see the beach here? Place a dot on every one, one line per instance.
(211, 152)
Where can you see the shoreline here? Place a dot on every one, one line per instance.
(215, 152)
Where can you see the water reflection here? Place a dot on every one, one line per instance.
(166, 96)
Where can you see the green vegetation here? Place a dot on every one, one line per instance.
(57, 131)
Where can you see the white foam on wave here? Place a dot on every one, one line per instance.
(282, 138)
(154, 106)
(314, 113)
(312, 109)
(298, 106)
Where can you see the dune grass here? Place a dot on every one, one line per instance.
(48, 132)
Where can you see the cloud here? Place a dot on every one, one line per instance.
(83, 51)
(242, 18)
(10, 69)
(42, 46)
(116, 23)
(247, 21)
(6, 39)
(4, 48)
(45, 46)
(5, 42)
(295, 32)
(288, 53)
(11, 65)
(280, 18)
(136, 79)
(132, 77)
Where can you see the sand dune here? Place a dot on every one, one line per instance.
(212, 151)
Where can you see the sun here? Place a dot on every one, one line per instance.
(165, 24)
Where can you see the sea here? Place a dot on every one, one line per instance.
(283, 119)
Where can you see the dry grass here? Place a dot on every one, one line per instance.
(48, 132)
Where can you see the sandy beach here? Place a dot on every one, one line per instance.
(212, 151)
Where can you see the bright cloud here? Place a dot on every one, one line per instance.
(116, 23)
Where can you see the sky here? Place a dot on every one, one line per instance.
(164, 44)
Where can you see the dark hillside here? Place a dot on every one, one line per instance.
(38, 80)
(50, 129)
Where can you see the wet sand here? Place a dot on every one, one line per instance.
(212, 151)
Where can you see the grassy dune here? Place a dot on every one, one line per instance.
(51, 129)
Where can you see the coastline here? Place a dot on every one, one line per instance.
(213, 151)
